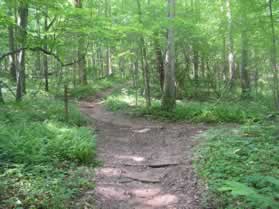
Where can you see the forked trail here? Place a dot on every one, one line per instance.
(146, 164)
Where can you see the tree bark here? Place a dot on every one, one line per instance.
(274, 56)
(169, 94)
(12, 58)
(1, 94)
(231, 55)
(144, 60)
(45, 58)
(245, 82)
(160, 61)
(81, 53)
(20, 74)
(108, 50)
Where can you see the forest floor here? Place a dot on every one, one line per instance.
(146, 164)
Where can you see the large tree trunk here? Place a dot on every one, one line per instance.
(169, 94)
(20, 74)
(274, 57)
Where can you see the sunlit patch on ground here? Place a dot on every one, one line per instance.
(130, 157)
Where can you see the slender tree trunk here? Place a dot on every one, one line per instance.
(20, 74)
(225, 61)
(136, 74)
(231, 56)
(160, 61)
(274, 56)
(1, 94)
(37, 67)
(12, 58)
(108, 64)
(45, 58)
(81, 53)
(196, 66)
(108, 50)
(169, 95)
(144, 62)
(245, 82)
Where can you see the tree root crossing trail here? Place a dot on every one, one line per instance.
(145, 164)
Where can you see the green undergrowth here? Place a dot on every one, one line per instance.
(241, 166)
(43, 158)
(195, 111)
(91, 89)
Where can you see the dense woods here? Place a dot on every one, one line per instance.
(219, 49)
(179, 60)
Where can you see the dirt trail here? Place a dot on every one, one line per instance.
(146, 164)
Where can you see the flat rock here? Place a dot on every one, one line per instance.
(142, 131)
(144, 177)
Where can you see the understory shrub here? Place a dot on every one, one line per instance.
(241, 166)
(41, 154)
(211, 112)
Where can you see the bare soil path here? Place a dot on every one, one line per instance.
(146, 164)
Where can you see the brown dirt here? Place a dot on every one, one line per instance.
(146, 164)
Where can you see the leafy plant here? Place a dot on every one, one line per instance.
(41, 154)
(240, 166)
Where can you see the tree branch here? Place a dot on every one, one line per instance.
(51, 23)
(50, 53)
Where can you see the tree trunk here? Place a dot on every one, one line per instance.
(37, 67)
(45, 58)
(12, 58)
(1, 94)
(160, 61)
(108, 50)
(274, 56)
(108, 64)
(245, 82)
(169, 94)
(196, 66)
(231, 56)
(81, 53)
(145, 65)
(20, 74)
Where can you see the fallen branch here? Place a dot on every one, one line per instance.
(153, 165)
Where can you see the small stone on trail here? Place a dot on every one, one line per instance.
(142, 131)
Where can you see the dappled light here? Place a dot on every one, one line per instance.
(141, 197)
(139, 104)
(110, 172)
(160, 201)
(130, 157)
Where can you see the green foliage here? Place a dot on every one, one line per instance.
(40, 154)
(240, 166)
(238, 112)
(91, 89)
(44, 108)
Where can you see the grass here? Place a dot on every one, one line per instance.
(195, 111)
(41, 154)
(241, 166)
